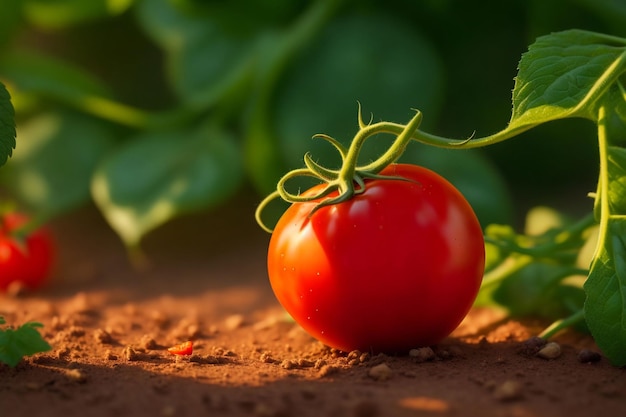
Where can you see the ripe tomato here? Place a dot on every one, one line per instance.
(394, 268)
(28, 262)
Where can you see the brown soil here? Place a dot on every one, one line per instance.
(110, 325)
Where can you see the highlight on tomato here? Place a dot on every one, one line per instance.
(26, 257)
(381, 258)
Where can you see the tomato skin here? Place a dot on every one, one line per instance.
(183, 349)
(28, 263)
(394, 268)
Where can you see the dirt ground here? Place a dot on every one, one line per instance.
(110, 325)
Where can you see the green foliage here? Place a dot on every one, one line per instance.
(187, 169)
(264, 76)
(572, 74)
(7, 125)
(58, 153)
(22, 341)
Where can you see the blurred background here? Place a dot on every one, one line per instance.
(154, 109)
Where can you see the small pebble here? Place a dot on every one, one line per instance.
(327, 370)
(588, 356)
(130, 354)
(422, 354)
(76, 375)
(380, 372)
(288, 364)
(551, 350)
(110, 356)
(533, 345)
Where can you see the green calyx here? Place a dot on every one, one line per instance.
(349, 180)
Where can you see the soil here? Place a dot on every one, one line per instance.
(110, 325)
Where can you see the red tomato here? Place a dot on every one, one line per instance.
(28, 262)
(394, 268)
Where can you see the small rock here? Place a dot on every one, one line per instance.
(76, 375)
(551, 350)
(110, 356)
(422, 354)
(380, 372)
(588, 356)
(288, 364)
(508, 391)
(130, 354)
(327, 370)
(267, 358)
(533, 345)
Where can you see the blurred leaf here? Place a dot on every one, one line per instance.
(389, 70)
(204, 63)
(55, 14)
(10, 19)
(157, 176)
(539, 290)
(49, 77)
(7, 125)
(51, 169)
(232, 18)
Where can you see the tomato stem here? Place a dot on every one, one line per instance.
(349, 180)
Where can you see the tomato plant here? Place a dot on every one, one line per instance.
(398, 266)
(24, 260)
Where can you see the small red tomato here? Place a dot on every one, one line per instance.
(27, 262)
(184, 349)
(393, 268)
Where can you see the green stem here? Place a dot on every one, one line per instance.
(602, 196)
(563, 324)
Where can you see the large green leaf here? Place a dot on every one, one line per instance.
(7, 125)
(51, 169)
(564, 75)
(204, 62)
(605, 307)
(157, 176)
(389, 70)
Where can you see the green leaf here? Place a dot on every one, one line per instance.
(51, 170)
(23, 341)
(50, 77)
(348, 62)
(7, 125)
(204, 63)
(564, 75)
(61, 13)
(10, 20)
(605, 307)
(157, 176)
